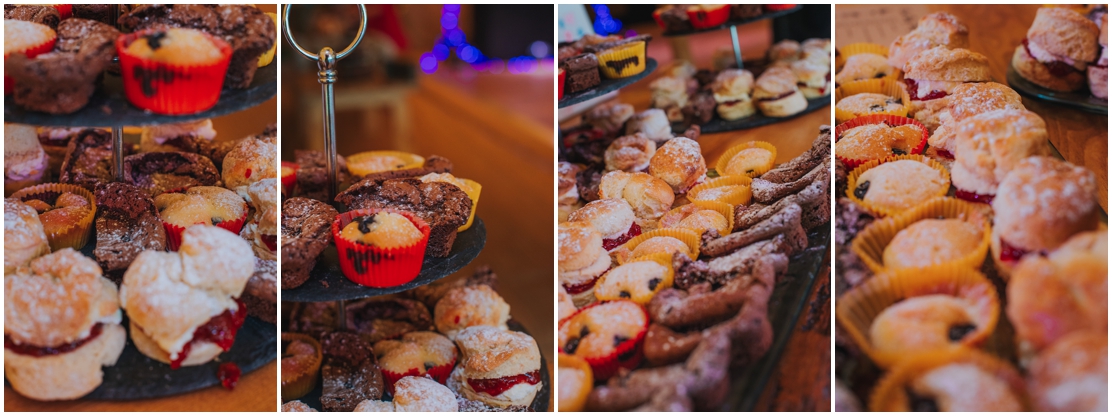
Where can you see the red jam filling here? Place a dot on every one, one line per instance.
(496, 386)
(1057, 68)
(1010, 253)
(973, 196)
(271, 241)
(582, 287)
(31, 350)
(777, 97)
(611, 243)
(220, 330)
(228, 373)
(913, 91)
(946, 154)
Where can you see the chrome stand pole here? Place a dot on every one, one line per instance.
(737, 46)
(118, 152)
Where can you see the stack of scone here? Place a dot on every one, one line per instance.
(917, 296)
(665, 269)
(1065, 51)
(444, 347)
(173, 246)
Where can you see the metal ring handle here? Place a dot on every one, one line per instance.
(312, 56)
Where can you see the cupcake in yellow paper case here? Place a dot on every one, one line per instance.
(622, 61)
(366, 163)
(469, 187)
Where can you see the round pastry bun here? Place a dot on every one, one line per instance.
(252, 160)
(679, 163)
(628, 153)
(733, 111)
(970, 99)
(1044, 201)
(935, 29)
(731, 83)
(420, 394)
(69, 375)
(57, 300)
(24, 236)
(579, 246)
(774, 82)
(467, 306)
(988, 145)
(942, 64)
(1032, 70)
(199, 353)
(792, 104)
(488, 352)
(1064, 32)
(649, 196)
(610, 217)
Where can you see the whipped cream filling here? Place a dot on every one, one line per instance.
(1042, 55)
(575, 277)
(26, 166)
(201, 129)
(516, 393)
(725, 98)
(61, 133)
(569, 197)
(926, 86)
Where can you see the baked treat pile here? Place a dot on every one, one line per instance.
(1066, 51)
(665, 276)
(917, 296)
(441, 347)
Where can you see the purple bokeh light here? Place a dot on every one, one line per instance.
(428, 63)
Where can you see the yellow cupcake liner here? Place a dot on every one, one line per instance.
(890, 394)
(688, 237)
(724, 160)
(857, 309)
(723, 208)
(624, 52)
(473, 192)
(576, 400)
(268, 57)
(863, 47)
(663, 259)
(74, 236)
(886, 86)
(411, 161)
(870, 244)
(737, 197)
(879, 211)
(295, 386)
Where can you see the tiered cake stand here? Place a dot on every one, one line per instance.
(326, 282)
(136, 376)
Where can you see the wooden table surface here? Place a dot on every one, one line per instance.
(995, 31)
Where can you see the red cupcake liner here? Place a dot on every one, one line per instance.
(439, 373)
(889, 119)
(165, 88)
(778, 7)
(628, 354)
(288, 181)
(173, 232)
(560, 95)
(706, 19)
(659, 21)
(376, 266)
(66, 10)
(31, 52)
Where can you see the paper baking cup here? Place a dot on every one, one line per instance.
(863, 47)
(439, 373)
(473, 191)
(166, 88)
(295, 386)
(74, 236)
(562, 76)
(885, 86)
(723, 208)
(688, 237)
(890, 394)
(355, 161)
(724, 160)
(706, 19)
(65, 10)
(626, 355)
(174, 231)
(877, 119)
(879, 211)
(289, 179)
(738, 197)
(31, 52)
(660, 258)
(634, 51)
(575, 401)
(870, 244)
(376, 266)
(859, 308)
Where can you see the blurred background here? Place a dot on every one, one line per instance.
(473, 83)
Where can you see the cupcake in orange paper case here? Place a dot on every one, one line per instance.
(173, 70)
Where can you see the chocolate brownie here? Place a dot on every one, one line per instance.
(745, 11)
(99, 12)
(249, 31)
(443, 206)
(45, 15)
(88, 159)
(312, 174)
(699, 108)
(312, 318)
(582, 72)
(306, 232)
(350, 372)
(160, 172)
(261, 293)
(675, 19)
(380, 319)
(127, 223)
(62, 81)
(434, 164)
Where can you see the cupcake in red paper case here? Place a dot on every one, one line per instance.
(706, 16)
(207, 205)
(26, 38)
(607, 335)
(420, 354)
(560, 95)
(173, 70)
(380, 247)
(289, 177)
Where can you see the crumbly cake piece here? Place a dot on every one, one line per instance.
(350, 372)
(306, 232)
(261, 293)
(160, 172)
(88, 159)
(61, 81)
(127, 223)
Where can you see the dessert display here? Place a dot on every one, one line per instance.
(595, 64)
(680, 18)
(665, 274)
(1064, 57)
(967, 267)
(448, 346)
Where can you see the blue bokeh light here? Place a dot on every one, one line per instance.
(449, 21)
(428, 63)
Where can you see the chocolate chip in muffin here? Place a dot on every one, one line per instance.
(861, 190)
(653, 283)
(959, 331)
(624, 295)
(898, 152)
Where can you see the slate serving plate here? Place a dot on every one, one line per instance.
(1081, 100)
(607, 86)
(718, 125)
